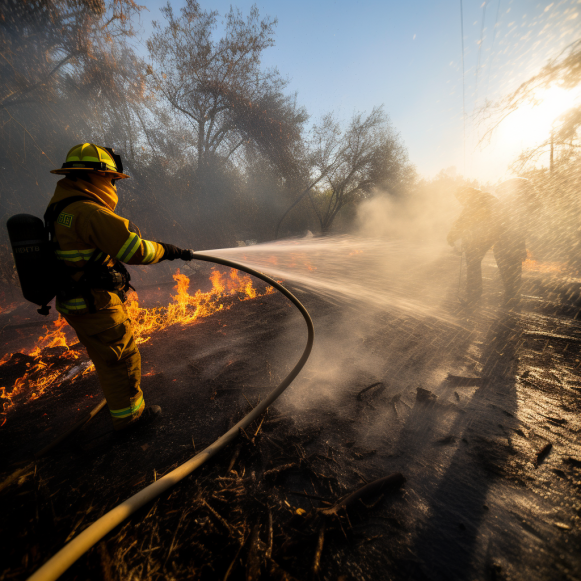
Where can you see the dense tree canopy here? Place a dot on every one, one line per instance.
(219, 86)
(43, 41)
(216, 145)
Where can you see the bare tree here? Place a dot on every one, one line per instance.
(368, 155)
(556, 234)
(219, 85)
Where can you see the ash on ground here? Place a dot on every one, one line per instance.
(478, 411)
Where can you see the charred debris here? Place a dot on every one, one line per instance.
(276, 505)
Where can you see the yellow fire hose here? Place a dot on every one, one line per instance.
(60, 562)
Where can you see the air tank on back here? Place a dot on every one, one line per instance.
(33, 257)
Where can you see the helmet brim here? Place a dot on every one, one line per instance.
(115, 175)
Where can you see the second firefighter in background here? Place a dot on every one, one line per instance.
(91, 243)
(501, 224)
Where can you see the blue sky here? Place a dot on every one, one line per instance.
(349, 56)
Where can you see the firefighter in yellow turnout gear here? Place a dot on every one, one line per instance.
(91, 243)
(482, 225)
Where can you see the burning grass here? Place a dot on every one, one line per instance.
(57, 355)
(186, 308)
(532, 265)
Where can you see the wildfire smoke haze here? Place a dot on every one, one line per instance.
(330, 146)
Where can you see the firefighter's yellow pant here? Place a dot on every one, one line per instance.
(108, 337)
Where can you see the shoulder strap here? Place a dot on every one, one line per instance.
(54, 210)
(94, 263)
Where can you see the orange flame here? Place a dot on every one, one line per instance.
(533, 265)
(43, 371)
(187, 308)
(54, 337)
(47, 369)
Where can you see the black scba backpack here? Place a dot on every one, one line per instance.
(42, 276)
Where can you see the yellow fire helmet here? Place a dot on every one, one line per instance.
(91, 157)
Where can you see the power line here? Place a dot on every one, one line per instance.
(492, 49)
(463, 83)
(480, 50)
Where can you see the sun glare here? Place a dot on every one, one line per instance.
(532, 124)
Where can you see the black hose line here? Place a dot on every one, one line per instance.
(60, 562)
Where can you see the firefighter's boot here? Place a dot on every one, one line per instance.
(150, 415)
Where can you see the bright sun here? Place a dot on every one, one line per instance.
(532, 124)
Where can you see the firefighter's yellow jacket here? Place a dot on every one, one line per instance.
(86, 227)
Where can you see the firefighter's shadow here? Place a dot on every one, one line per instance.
(446, 543)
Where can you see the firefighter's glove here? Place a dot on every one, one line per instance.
(172, 252)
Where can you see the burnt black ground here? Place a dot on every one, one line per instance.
(478, 503)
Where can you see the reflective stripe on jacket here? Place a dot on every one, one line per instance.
(86, 227)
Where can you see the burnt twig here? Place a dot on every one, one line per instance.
(543, 453)
(376, 393)
(234, 458)
(278, 469)
(319, 551)
(260, 426)
(254, 555)
(217, 516)
(270, 536)
(233, 563)
(394, 481)
(171, 547)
